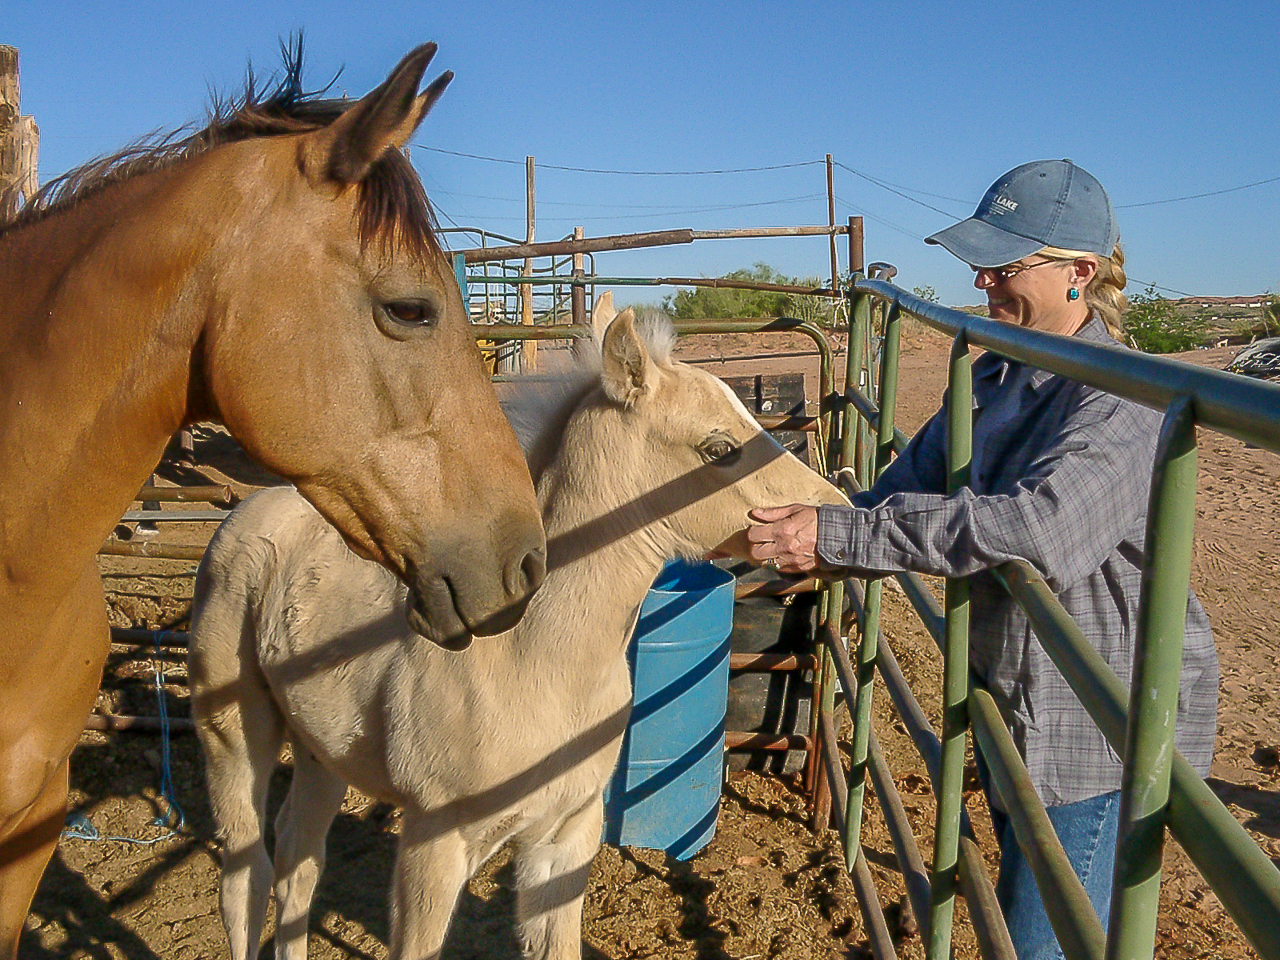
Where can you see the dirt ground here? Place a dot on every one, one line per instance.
(766, 887)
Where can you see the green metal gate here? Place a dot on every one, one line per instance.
(1160, 789)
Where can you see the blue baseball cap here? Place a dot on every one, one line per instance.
(1047, 203)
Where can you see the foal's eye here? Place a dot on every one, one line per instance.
(412, 313)
(720, 452)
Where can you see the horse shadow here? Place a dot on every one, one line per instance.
(352, 899)
(86, 909)
(356, 884)
(215, 449)
(1264, 805)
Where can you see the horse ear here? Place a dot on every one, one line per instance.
(603, 314)
(628, 371)
(384, 119)
(586, 351)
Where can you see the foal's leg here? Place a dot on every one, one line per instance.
(241, 731)
(551, 880)
(50, 679)
(314, 799)
(431, 869)
(241, 750)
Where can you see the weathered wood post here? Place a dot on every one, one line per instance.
(831, 221)
(529, 348)
(578, 294)
(19, 140)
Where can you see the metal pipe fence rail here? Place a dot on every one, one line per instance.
(1160, 790)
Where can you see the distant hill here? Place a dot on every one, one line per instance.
(1228, 319)
(1256, 300)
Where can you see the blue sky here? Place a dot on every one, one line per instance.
(936, 99)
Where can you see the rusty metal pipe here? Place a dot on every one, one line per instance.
(555, 248)
(742, 740)
(768, 662)
(115, 722)
(158, 551)
(203, 493)
(775, 588)
(149, 638)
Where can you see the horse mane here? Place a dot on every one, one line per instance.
(392, 204)
(539, 409)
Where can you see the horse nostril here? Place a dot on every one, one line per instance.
(526, 576)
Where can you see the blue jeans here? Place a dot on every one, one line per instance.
(1088, 831)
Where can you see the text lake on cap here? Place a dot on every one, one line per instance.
(1046, 203)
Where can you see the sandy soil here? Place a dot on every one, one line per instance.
(766, 887)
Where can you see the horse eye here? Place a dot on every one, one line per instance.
(721, 452)
(412, 313)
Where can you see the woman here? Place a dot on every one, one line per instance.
(1060, 478)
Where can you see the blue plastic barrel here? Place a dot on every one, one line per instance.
(665, 793)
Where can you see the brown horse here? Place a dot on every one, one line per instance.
(276, 271)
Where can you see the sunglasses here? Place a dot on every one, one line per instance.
(1010, 270)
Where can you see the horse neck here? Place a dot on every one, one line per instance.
(602, 557)
(94, 371)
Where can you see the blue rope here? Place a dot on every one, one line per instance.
(166, 771)
(80, 827)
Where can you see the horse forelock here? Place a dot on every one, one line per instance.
(392, 205)
(658, 334)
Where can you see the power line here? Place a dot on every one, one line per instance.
(676, 210)
(894, 188)
(880, 182)
(627, 173)
(1198, 196)
(595, 205)
(880, 220)
(1156, 286)
(884, 185)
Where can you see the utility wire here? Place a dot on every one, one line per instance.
(896, 189)
(627, 173)
(664, 207)
(1156, 286)
(884, 185)
(1198, 196)
(880, 220)
(677, 210)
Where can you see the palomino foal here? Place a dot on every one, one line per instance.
(276, 271)
(514, 739)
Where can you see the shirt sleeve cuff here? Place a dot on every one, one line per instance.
(837, 534)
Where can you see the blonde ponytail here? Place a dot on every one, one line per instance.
(1105, 292)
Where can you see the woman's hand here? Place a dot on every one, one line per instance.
(785, 539)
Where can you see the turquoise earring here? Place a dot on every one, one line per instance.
(1073, 294)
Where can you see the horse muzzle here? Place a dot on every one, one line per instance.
(451, 615)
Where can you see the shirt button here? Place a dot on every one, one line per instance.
(840, 554)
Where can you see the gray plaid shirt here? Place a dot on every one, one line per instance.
(1062, 482)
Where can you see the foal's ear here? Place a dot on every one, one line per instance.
(384, 119)
(603, 314)
(586, 351)
(628, 371)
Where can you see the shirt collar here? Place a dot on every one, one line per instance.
(991, 369)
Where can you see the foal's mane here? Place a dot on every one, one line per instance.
(540, 409)
(392, 204)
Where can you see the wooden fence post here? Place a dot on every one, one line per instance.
(578, 294)
(19, 140)
(529, 348)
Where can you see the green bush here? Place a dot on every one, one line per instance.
(1153, 324)
(1271, 316)
(703, 303)
(711, 303)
